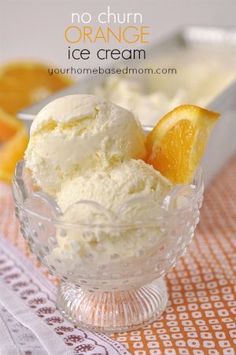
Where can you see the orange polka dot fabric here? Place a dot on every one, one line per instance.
(201, 314)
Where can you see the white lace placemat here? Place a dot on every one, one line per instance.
(17, 339)
(30, 299)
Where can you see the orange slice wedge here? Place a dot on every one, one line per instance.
(177, 143)
(11, 152)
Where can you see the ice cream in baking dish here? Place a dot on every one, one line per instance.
(197, 74)
(146, 107)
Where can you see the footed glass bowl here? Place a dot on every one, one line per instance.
(111, 273)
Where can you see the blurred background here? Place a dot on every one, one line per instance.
(32, 39)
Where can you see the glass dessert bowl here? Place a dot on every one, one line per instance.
(117, 284)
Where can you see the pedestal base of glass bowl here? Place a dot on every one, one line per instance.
(114, 310)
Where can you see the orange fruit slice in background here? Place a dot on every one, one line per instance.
(23, 84)
(11, 152)
(9, 125)
(177, 143)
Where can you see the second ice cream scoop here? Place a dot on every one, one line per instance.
(131, 193)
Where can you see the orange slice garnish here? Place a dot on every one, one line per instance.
(177, 143)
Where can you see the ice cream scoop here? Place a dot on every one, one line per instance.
(77, 133)
(130, 193)
(111, 188)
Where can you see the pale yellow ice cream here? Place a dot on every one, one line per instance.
(130, 193)
(86, 153)
(111, 188)
(77, 133)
